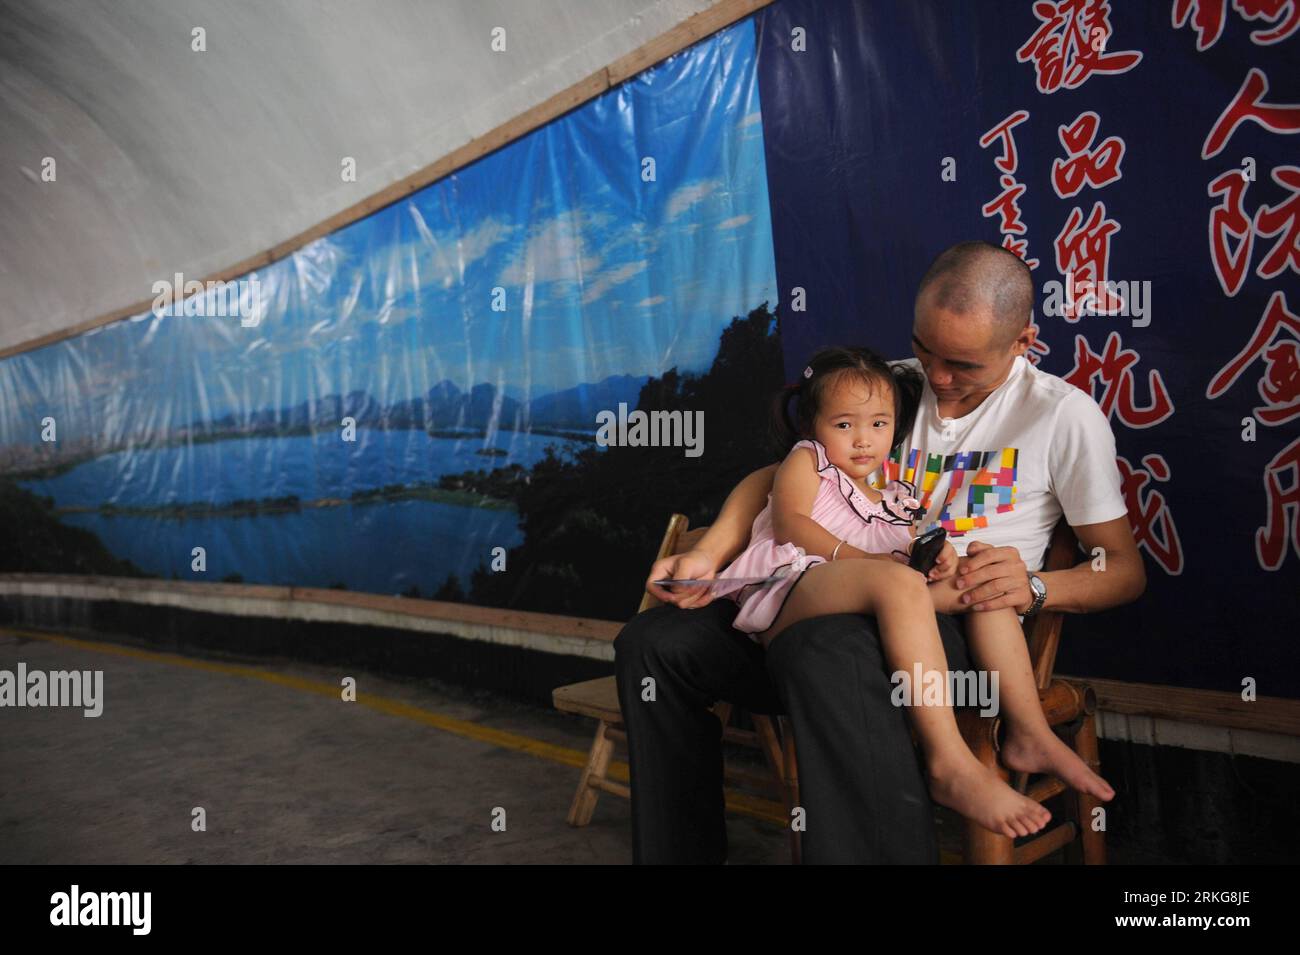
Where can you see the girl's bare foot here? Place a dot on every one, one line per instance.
(973, 790)
(1045, 752)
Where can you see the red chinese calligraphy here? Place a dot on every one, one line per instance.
(1114, 366)
(1284, 218)
(1207, 18)
(1070, 44)
(1246, 105)
(1083, 164)
(1082, 252)
(1019, 248)
(1008, 161)
(1285, 11)
(1280, 384)
(1148, 515)
(1228, 220)
(1007, 205)
(1283, 504)
(1037, 347)
(1233, 232)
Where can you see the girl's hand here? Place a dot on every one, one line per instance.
(946, 565)
(946, 596)
(692, 564)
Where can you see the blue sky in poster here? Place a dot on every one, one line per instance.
(603, 274)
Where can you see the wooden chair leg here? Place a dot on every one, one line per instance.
(771, 747)
(584, 800)
(1093, 840)
(791, 779)
(723, 712)
(982, 846)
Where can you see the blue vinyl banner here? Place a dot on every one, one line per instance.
(1142, 158)
(409, 405)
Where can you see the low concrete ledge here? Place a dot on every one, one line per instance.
(545, 633)
(521, 654)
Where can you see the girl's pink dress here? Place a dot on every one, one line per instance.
(841, 508)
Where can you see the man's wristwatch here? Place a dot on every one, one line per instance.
(1039, 590)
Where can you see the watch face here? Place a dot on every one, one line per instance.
(1037, 585)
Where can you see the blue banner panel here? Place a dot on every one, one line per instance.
(1150, 145)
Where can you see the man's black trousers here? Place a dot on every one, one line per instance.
(861, 781)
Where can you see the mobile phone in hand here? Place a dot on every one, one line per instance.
(926, 550)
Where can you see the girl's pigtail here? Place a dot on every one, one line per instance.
(909, 385)
(783, 434)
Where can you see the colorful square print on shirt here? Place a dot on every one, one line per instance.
(983, 483)
(980, 484)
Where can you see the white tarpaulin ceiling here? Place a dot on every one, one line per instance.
(170, 160)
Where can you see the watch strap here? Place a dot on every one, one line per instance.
(1040, 596)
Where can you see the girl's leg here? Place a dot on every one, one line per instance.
(997, 643)
(897, 597)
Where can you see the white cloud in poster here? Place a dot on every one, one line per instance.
(555, 250)
(734, 222)
(603, 281)
(687, 196)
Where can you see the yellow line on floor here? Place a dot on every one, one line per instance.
(743, 803)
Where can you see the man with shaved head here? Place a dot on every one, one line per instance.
(999, 452)
(976, 279)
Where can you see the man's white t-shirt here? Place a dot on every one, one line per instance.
(1004, 473)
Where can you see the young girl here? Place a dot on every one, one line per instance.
(845, 546)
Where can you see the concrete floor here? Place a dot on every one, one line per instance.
(289, 773)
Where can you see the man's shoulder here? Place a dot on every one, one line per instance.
(1069, 417)
(1037, 378)
(1055, 391)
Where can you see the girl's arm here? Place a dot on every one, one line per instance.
(728, 535)
(793, 492)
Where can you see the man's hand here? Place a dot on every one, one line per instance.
(692, 564)
(993, 578)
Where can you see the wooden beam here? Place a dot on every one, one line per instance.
(691, 30)
(1267, 714)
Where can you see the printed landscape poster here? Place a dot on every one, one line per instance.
(410, 405)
